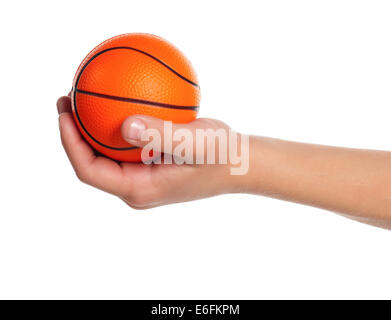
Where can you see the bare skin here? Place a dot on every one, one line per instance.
(352, 182)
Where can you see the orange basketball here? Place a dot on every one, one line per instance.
(126, 75)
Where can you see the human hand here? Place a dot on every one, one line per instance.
(140, 185)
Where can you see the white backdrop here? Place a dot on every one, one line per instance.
(311, 71)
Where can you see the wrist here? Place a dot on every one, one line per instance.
(240, 169)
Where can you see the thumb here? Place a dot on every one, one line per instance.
(137, 129)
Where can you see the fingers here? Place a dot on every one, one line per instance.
(64, 105)
(79, 153)
(99, 172)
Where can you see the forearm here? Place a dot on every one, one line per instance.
(352, 182)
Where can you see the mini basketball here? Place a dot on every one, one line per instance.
(127, 75)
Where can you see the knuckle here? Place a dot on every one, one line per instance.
(137, 200)
(82, 175)
(140, 198)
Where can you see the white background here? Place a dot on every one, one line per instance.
(312, 71)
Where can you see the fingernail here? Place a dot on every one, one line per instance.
(60, 107)
(63, 105)
(136, 129)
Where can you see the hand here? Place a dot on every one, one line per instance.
(143, 186)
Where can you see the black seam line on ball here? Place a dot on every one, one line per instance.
(149, 55)
(131, 100)
(90, 135)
